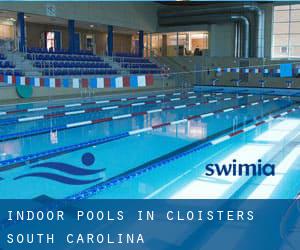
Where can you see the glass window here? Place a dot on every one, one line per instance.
(6, 32)
(280, 51)
(294, 28)
(295, 51)
(156, 43)
(172, 39)
(295, 40)
(188, 42)
(295, 7)
(50, 40)
(282, 7)
(281, 16)
(281, 28)
(295, 15)
(286, 33)
(280, 40)
(199, 40)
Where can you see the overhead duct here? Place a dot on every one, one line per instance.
(212, 15)
(246, 30)
(260, 46)
(237, 39)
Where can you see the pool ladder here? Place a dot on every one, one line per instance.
(234, 124)
(289, 83)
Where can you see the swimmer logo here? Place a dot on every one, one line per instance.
(87, 159)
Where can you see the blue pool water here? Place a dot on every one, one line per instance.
(81, 164)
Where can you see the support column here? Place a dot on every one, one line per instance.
(21, 31)
(141, 43)
(71, 35)
(110, 40)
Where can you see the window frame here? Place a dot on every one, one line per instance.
(289, 34)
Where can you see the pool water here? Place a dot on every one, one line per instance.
(149, 145)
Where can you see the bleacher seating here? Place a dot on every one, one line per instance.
(73, 72)
(7, 67)
(62, 64)
(59, 63)
(14, 72)
(125, 54)
(63, 57)
(5, 64)
(136, 64)
(57, 51)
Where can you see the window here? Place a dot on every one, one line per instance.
(50, 40)
(90, 42)
(6, 32)
(199, 40)
(186, 43)
(157, 44)
(286, 33)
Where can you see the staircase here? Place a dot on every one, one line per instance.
(22, 64)
(115, 65)
(179, 72)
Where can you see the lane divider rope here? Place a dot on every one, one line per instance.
(79, 104)
(24, 160)
(106, 119)
(11, 121)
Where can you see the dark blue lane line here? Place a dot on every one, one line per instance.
(241, 91)
(163, 160)
(34, 132)
(8, 121)
(31, 158)
(58, 178)
(134, 173)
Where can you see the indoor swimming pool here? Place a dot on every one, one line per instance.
(150, 145)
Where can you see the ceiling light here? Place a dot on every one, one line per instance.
(92, 26)
(11, 19)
